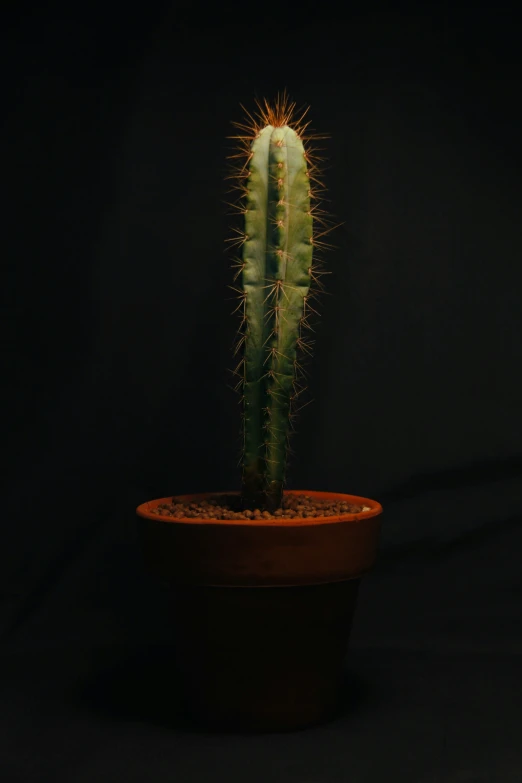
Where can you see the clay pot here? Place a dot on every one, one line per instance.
(263, 609)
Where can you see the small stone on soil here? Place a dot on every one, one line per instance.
(294, 507)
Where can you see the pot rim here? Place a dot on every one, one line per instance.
(375, 508)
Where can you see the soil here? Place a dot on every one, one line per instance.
(294, 507)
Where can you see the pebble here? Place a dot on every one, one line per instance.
(300, 507)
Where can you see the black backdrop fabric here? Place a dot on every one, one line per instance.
(119, 339)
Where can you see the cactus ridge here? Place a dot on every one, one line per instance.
(277, 278)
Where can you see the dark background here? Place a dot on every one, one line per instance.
(118, 338)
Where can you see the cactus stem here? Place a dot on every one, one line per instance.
(270, 164)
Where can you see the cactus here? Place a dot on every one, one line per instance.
(276, 271)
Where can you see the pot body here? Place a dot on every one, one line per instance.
(262, 610)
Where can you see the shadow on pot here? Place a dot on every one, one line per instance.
(143, 684)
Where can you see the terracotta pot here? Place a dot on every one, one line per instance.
(263, 609)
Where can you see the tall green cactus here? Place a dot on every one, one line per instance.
(276, 273)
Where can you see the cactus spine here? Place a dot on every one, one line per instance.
(276, 273)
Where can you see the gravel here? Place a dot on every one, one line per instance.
(294, 507)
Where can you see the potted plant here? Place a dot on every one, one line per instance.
(264, 581)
